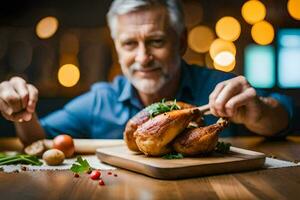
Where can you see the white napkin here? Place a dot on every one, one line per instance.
(276, 163)
(92, 160)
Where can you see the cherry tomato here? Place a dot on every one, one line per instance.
(101, 182)
(95, 174)
(65, 144)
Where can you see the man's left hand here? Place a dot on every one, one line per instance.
(236, 99)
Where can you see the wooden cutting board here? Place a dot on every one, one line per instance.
(236, 160)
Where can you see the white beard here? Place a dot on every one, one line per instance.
(149, 86)
(145, 85)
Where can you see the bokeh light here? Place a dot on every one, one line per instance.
(294, 8)
(259, 65)
(228, 28)
(224, 58)
(253, 11)
(227, 68)
(220, 45)
(262, 33)
(200, 39)
(68, 75)
(46, 27)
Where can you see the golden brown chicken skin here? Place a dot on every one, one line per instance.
(201, 140)
(155, 136)
(172, 131)
(143, 116)
(132, 126)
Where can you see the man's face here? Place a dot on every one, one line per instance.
(148, 49)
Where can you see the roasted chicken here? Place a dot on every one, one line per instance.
(155, 136)
(181, 130)
(144, 116)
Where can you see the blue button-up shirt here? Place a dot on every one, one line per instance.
(104, 111)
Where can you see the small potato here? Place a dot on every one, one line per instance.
(36, 148)
(54, 157)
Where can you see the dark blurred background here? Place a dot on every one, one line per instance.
(63, 47)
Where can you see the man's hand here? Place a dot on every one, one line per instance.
(17, 99)
(237, 100)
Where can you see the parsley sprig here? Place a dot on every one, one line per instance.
(173, 156)
(81, 166)
(223, 147)
(161, 107)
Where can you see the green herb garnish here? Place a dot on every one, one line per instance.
(161, 107)
(173, 156)
(81, 166)
(223, 147)
(2, 155)
(19, 159)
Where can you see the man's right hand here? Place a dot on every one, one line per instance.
(17, 99)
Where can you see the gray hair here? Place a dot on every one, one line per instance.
(120, 7)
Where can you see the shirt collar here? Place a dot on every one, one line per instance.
(126, 91)
(129, 94)
(184, 91)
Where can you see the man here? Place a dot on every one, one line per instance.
(150, 39)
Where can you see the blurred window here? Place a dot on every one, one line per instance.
(289, 58)
(260, 66)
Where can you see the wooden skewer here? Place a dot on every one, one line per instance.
(205, 109)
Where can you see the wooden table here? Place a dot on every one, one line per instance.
(281, 183)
